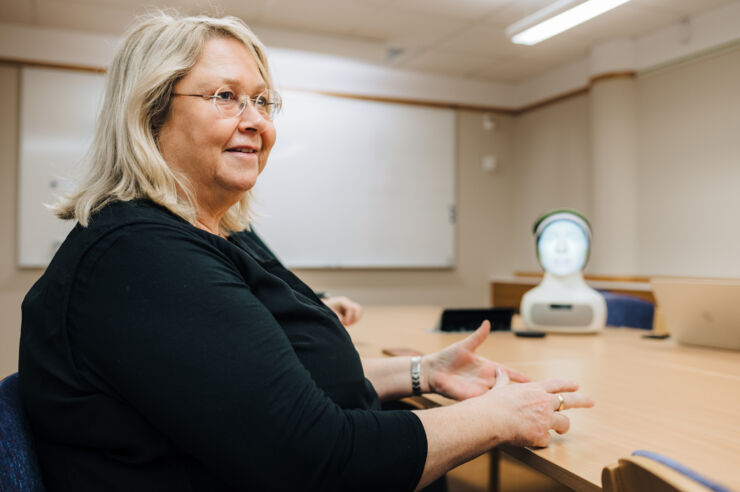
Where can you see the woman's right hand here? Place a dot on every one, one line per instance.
(526, 412)
(521, 414)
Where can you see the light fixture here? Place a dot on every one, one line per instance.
(556, 18)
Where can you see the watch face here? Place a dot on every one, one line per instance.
(563, 247)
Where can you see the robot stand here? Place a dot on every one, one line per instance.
(563, 304)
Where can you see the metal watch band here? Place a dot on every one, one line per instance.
(416, 375)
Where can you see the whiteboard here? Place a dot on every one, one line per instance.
(349, 183)
(57, 119)
(355, 183)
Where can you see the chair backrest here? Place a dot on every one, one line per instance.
(647, 471)
(19, 468)
(628, 310)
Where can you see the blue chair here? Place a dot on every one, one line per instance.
(646, 471)
(19, 467)
(627, 310)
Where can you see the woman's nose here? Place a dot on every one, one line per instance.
(252, 119)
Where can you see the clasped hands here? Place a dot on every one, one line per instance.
(529, 410)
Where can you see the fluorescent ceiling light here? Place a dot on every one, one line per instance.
(524, 32)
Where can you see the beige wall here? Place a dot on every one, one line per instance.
(552, 170)
(613, 140)
(13, 282)
(687, 178)
(689, 168)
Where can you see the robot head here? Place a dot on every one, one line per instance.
(563, 239)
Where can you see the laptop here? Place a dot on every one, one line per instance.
(700, 311)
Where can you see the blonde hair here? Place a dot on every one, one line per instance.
(124, 160)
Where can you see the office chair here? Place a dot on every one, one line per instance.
(647, 471)
(627, 310)
(19, 467)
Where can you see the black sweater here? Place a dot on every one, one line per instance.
(156, 356)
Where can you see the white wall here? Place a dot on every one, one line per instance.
(552, 169)
(689, 168)
(613, 141)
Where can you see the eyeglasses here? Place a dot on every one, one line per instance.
(229, 105)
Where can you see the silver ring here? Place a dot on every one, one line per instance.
(562, 402)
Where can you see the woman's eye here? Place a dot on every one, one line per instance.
(261, 101)
(225, 96)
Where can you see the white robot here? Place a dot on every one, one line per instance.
(563, 302)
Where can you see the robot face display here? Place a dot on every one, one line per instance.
(563, 247)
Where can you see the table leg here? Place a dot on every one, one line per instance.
(494, 480)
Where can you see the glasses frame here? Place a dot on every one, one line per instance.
(273, 105)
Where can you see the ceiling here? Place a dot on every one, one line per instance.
(455, 37)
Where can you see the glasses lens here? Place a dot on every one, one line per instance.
(267, 103)
(229, 105)
(276, 104)
(226, 102)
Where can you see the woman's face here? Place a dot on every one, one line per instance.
(222, 157)
(562, 247)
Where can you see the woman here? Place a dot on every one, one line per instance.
(165, 348)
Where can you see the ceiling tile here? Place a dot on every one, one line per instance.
(681, 8)
(469, 10)
(481, 39)
(399, 26)
(511, 12)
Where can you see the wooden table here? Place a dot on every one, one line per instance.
(680, 401)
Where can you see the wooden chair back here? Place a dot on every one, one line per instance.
(654, 473)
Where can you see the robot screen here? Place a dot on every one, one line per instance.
(563, 247)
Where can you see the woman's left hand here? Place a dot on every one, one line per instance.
(458, 372)
(347, 310)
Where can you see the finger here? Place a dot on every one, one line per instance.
(478, 336)
(515, 375)
(349, 316)
(351, 311)
(559, 385)
(502, 379)
(575, 400)
(543, 441)
(558, 402)
(560, 423)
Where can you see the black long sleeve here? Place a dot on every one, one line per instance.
(189, 362)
